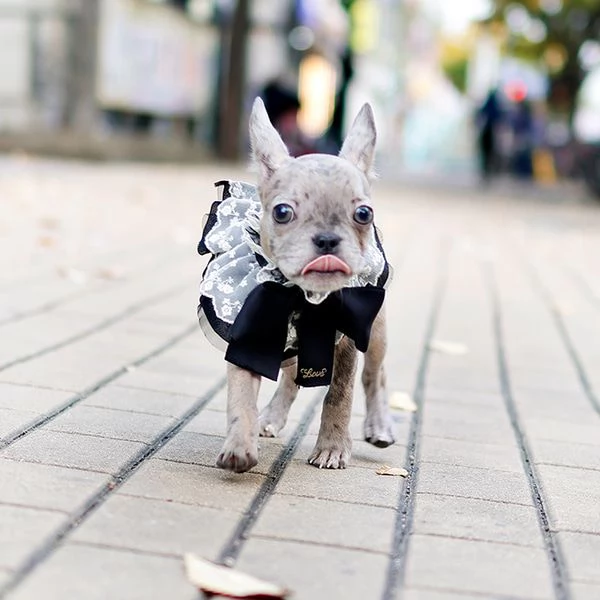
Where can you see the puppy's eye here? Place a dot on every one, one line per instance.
(363, 215)
(283, 213)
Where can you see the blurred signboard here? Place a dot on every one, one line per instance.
(153, 59)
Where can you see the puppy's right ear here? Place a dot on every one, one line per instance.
(268, 150)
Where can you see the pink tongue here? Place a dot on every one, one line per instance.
(327, 264)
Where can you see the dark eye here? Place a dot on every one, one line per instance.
(283, 213)
(363, 215)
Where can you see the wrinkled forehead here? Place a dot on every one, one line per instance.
(317, 176)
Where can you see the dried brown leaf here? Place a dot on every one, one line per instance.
(446, 347)
(392, 471)
(402, 401)
(216, 579)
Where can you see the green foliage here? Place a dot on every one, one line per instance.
(457, 73)
(566, 30)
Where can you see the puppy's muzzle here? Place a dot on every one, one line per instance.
(326, 243)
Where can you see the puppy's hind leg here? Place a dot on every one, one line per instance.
(378, 423)
(274, 416)
(334, 444)
(240, 450)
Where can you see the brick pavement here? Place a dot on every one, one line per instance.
(112, 403)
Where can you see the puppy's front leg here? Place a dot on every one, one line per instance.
(240, 450)
(378, 422)
(334, 443)
(274, 416)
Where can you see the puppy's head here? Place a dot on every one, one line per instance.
(317, 222)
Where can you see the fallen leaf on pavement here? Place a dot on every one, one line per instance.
(394, 471)
(110, 273)
(452, 348)
(402, 401)
(46, 241)
(216, 579)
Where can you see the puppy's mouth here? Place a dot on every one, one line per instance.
(327, 264)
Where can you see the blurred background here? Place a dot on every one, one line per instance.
(469, 90)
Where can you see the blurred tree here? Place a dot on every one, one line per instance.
(553, 31)
(234, 40)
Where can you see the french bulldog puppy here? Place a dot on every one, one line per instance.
(317, 228)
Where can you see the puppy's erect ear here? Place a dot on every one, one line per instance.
(268, 150)
(359, 145)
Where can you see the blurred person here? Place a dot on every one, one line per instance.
(282, 106)
(524, 133)
(489, 117)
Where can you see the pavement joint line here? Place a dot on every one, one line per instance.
(475, 467)
(404, 516)
(94, 435)
(492, 500)
(232, 548)
(139, 551)
(552, 546)
(478, 540)
(563, 466)
(116, 481)
(34, 508)
(79, 397)
(104, 324)
(262, 536)
(565, 336)
(470, 593)
(81, 293)
(335, 500)
(53, 464)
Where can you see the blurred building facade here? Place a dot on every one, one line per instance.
(190, 68)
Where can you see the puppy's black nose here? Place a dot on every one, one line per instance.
(326, 243)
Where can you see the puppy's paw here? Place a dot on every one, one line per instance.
(268, 426)
(379, 431)
(331, 455)
(237, 457)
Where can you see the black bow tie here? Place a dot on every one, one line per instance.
(259, 333)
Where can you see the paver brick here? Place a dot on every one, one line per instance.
(573, 496)
(10, 420)
(184, 385)
(476, 519)
(106, 573)
(23, 530)
(116, 424)
(478, 567)
(429, 594)
(62, 449)
(582, 553)
(465, 453)
(327, 522)
(474, 424)
(486, 484)
(458, 397)
(315, 572)
(157, 526)
(585, 591)
(361, 486)
(192, 484)
(587, 432)
(31, 399)
(143, 401)
(567, 454)
(46, 486)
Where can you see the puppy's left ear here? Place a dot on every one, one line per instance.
(359, 145)
(268, 150)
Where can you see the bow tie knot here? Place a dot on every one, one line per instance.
(259, 332)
